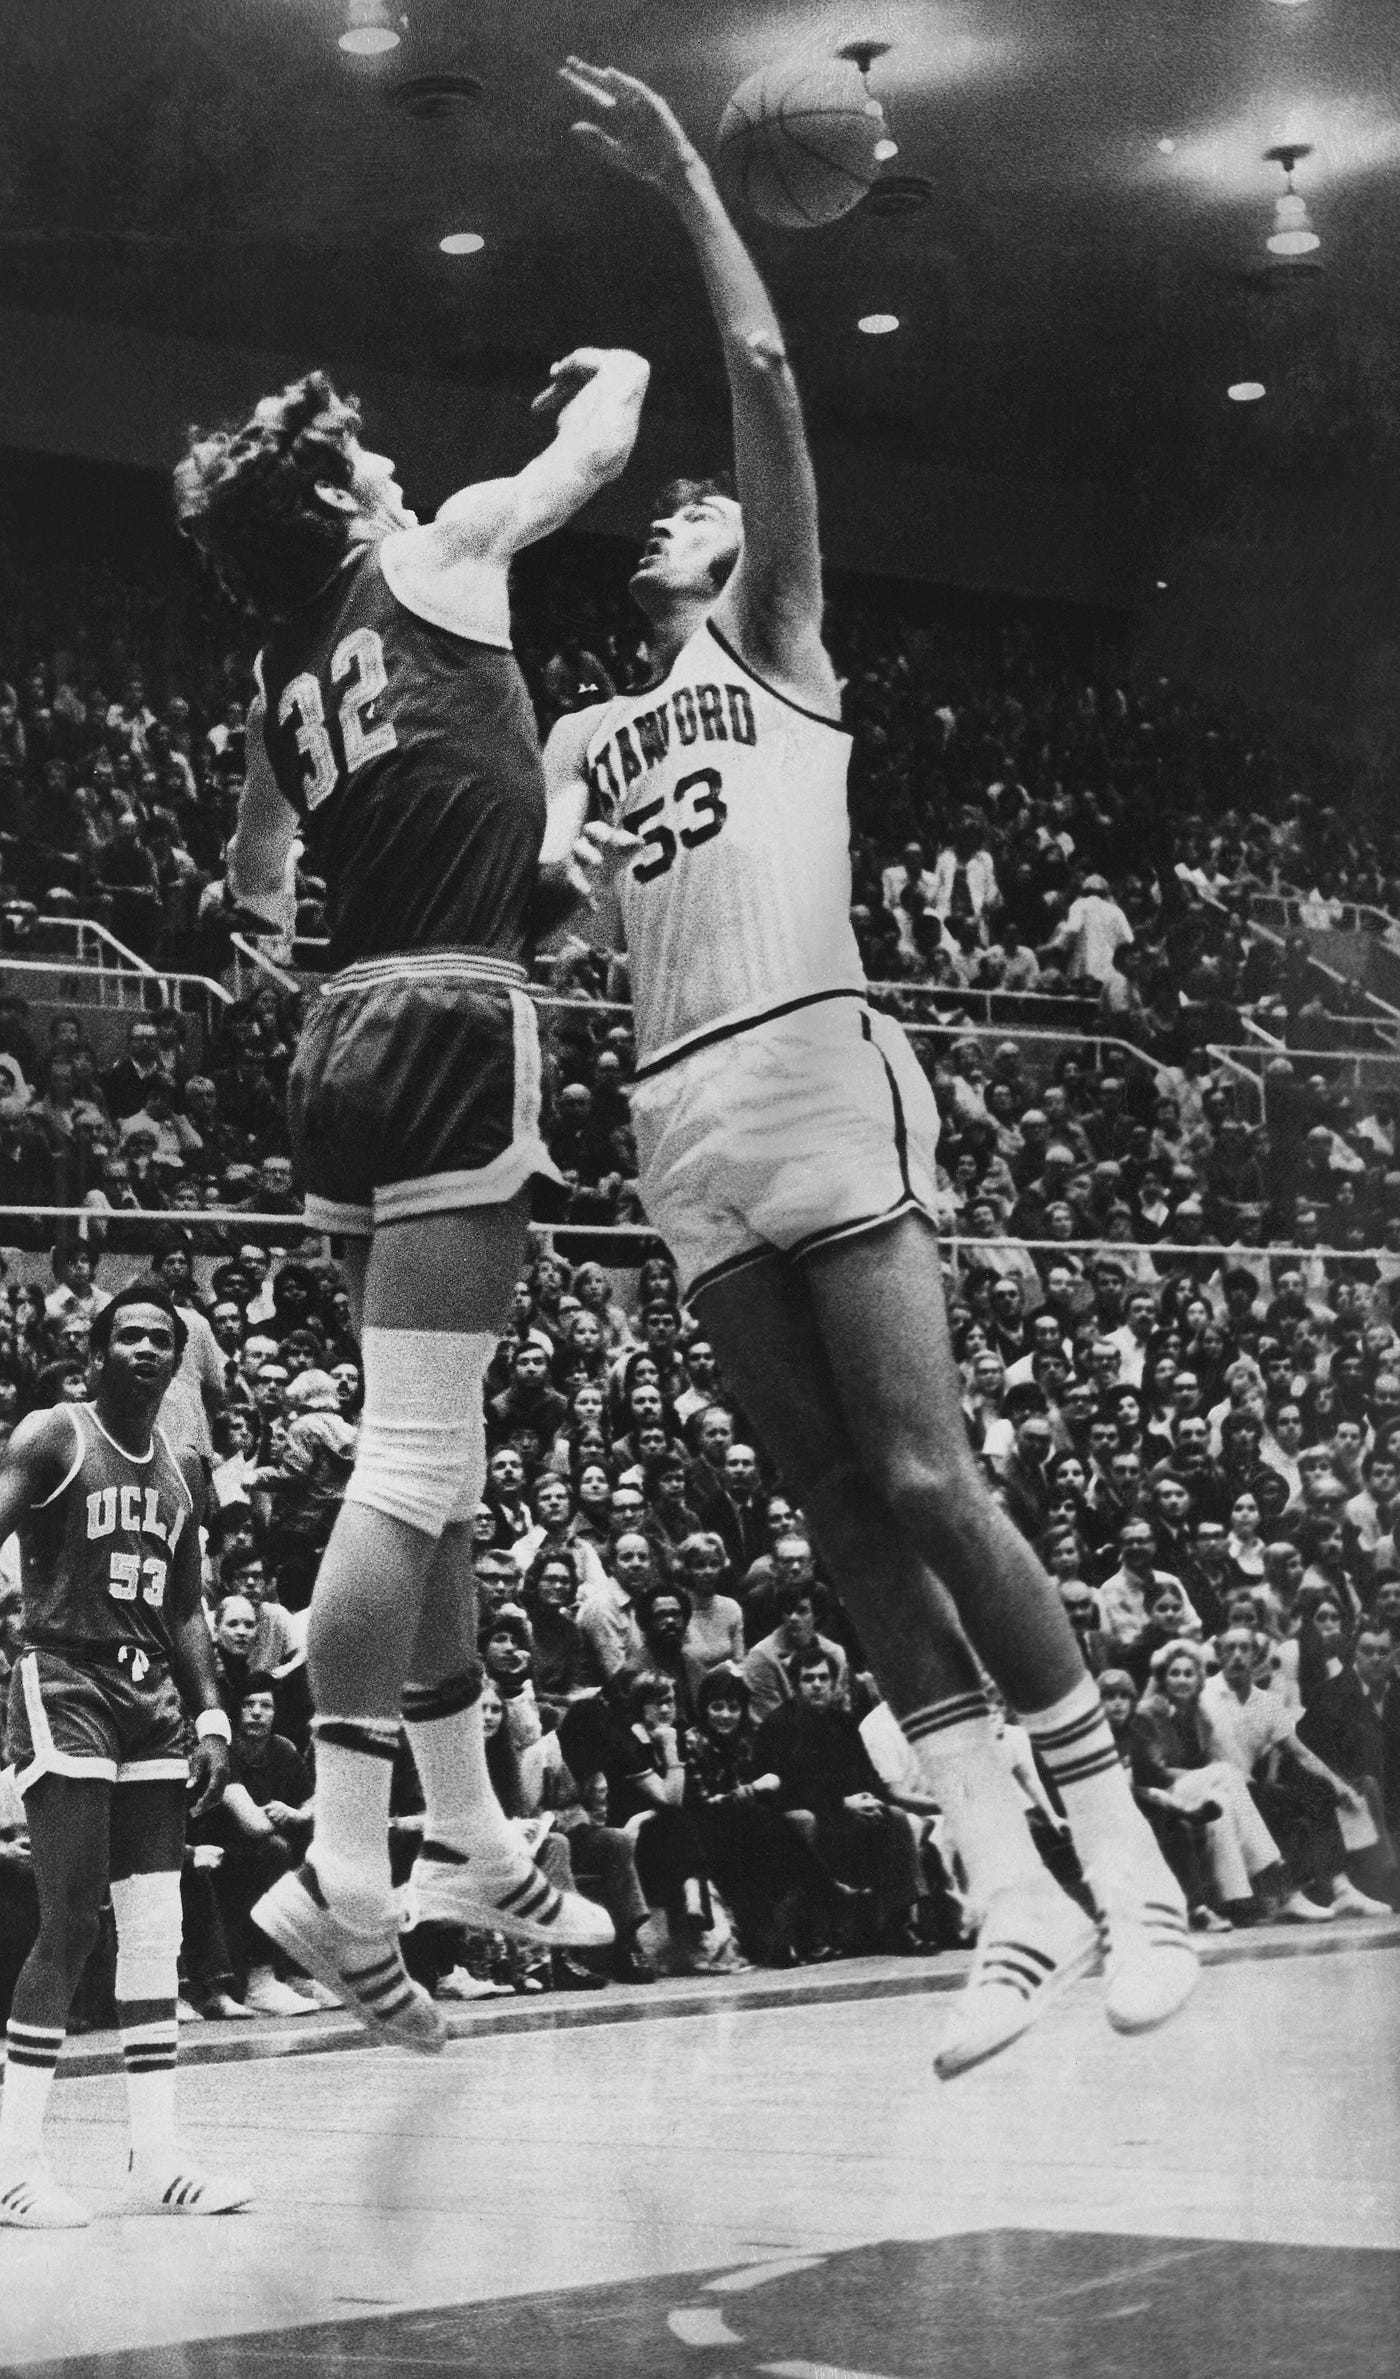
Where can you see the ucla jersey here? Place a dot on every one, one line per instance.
(738, 908)
(112, 1556)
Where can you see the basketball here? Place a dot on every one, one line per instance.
(798, 142)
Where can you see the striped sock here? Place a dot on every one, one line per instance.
(443, 1725)
(1076, 1744)
(350, 1843)
(149, 2033)
(965, 1770)
(31, 2056)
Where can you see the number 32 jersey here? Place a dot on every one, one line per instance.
(738, 907)
(112, 1556)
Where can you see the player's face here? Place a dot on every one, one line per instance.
(140, 1358)
(377, 490)
(686, 550)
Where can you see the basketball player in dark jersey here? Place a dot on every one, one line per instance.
(393, 732)
(787, 1138)
(115, 1651)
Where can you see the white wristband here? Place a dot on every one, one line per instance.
(213, 1722)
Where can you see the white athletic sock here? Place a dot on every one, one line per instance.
(148, 2053)
(448, 1742)
(350, 1840)
(962, 1764)
(1075, 1741)
(31, 2056)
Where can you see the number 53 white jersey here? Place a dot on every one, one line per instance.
(738, 907)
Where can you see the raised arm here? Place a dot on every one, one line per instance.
(261, 854)
(596, 394)
(773, 602)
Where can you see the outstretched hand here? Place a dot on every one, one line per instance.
(574, 372)
(631, 127)
(598, 855)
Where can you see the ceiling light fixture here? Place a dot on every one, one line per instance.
(878, 326)
(862, 55)
(461, 243)
(1293, 234)
(885, 149)
(1246, 392)
(1166, 148)
(370, 31)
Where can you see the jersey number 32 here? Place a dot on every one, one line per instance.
(358, 658)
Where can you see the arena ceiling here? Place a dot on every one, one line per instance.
(1073, 298)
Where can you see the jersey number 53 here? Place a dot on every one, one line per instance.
(358, 659)
(702, 791)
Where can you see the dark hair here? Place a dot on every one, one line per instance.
(138, 1292)
(677, 493)
(726, 1680)
(256, 1681)
(247, 496)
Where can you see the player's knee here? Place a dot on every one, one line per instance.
(936, 1494)
(69, 1928)
(147, 1910)
(421, 1451)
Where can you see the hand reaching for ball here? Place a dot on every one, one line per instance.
(632, 128)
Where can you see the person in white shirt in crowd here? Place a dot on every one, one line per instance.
(1126, 1597)
(714, 1632)
(1092, 933)
(1133, 1335)
(1250, 1726)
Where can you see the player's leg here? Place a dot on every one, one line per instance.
(878, 1299)
(147, 1845)
(67, 1818)
(1033, 1940)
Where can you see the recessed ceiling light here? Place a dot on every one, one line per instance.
(1245, 392)
(461, 243)
(369, 29)
(884, 150)
(1161, 586)
(878, 326)
(1166, 148)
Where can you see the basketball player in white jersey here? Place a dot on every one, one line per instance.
(787, 1137)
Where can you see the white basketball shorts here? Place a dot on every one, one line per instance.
(788, 1134)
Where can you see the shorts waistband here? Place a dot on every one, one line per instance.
(734, 1025)
(428, 966)
(109, 1655)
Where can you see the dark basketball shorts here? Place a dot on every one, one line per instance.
(416, 1091)
(116, 1719)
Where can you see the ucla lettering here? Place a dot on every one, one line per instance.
(153, 1524)
(131, 1509)
(687, 724)
(712, 714)
(102, 1513)
(741, 718)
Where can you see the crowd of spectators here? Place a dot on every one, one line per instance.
(1199, 1431)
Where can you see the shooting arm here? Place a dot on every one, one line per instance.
(597, 393)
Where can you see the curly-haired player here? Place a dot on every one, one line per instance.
(392, 730)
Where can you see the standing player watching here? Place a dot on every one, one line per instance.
(115, 1649)
(787, 1141)
(393, 728)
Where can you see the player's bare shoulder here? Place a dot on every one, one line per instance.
(39, 1455)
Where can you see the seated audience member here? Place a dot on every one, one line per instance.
(264, 1825)
(647, 1797)
(1246, 1875)
(1352, 1724)
(566, 1663)
(714, 1632)
(1243, 1724)
(762, 1861)
(768, 1666)
(608, 1616)
(813, 1745)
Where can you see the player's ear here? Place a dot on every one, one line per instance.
(336, 499)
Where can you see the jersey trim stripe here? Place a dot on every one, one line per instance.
(901, 1129)
(818, 717)
(125, 1451)
(74, 1466)
(746, 1258)
(815, 1241)
(738, 1024)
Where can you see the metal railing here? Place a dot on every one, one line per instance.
(125, 980)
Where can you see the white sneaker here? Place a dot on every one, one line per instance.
(170, 2182)
(502, 1895)
(266, 1996)
(462, 1984)
(31, 2199)
(1298, 1909)
(1349, 1900)
(1033, 1943)
(1150, 1962)
(185, 2014)
(318, 1993)
(368, 1969)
